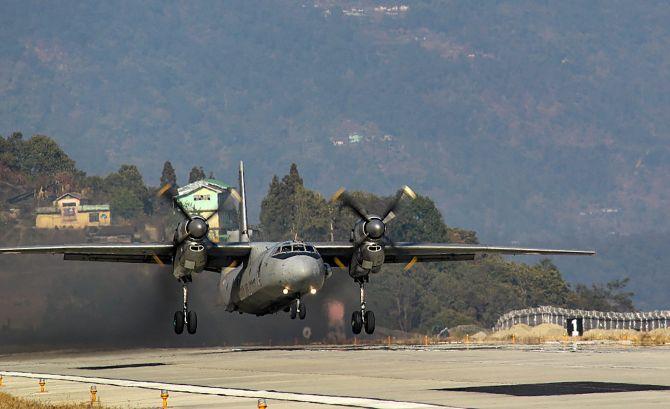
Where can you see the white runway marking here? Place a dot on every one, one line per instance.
(242, 393)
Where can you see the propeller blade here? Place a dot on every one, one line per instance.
(347, 200)
(410, 264)
(157, 260)
(230, 267)
(163, 189)
(235, 195)
(339, 263)
(211, 215)
(409, 192)
(181, 209)
(390, 214)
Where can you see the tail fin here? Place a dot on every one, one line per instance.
(244, 227)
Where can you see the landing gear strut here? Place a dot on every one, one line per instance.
(298, 309)
(185, 317)
(363, 318)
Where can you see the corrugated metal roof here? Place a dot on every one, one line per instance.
(213, 184)
(82, 208)
(92, 208)
(46, 210)
(74, 195)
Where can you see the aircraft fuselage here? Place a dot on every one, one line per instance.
(274, 276)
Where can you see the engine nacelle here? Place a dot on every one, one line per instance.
(368, 258)
(191, 257)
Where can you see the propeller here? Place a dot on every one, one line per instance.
(347, 200)
(375, 226)
(389, 213)
(196, 226)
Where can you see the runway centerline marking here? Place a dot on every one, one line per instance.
(334, 400)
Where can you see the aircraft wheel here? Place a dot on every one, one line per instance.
(178, 322)
(356, 322)
(302, 313)
(294, 310)
(369, 322)
(192, 323)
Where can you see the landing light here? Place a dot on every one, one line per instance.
(312, 290)
(285, 291)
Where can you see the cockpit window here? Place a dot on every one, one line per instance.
(298, 247)
(291, 249)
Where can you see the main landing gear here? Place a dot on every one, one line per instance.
(362, 319)
(298, 309)
(185, 317)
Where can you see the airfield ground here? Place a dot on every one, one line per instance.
(512, 376)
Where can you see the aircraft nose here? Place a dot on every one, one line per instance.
(304, 273)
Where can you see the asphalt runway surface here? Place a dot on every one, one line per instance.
(452, 376)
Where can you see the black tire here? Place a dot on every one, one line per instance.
(356, 322)
(369, 322)
(192, 322)
(294, 310)
(178, 322)
(303, 312)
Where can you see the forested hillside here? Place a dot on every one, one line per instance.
(47, 300)
(520, 119)
(531, 123)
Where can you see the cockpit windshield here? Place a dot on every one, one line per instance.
(298, 247)
(295, 248)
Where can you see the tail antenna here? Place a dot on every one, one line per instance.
(244, 229)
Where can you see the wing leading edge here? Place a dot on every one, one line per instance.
(404, 251)
(150, 253)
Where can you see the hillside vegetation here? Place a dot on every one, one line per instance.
(52, 302)
(522, 120)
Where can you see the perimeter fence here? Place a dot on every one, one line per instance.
(639, 321)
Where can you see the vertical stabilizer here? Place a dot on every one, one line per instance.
(244, 227)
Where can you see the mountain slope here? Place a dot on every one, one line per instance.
(524, 121)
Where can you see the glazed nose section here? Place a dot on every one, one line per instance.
(305, 273)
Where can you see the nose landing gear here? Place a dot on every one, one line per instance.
(298, 309)
(185, 317)
(363, 318)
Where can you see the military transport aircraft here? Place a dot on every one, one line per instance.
(263, 277)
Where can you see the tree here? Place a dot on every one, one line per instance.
(290, 210)
(168, 176)
(127, 192)
(197, 173)
(125, 203)
(608, 297)
(37, 156)
(43, 156)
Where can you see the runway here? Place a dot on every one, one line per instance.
(329, 377)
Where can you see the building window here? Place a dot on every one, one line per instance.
(93, 217)
(69, 204)
(200, 197)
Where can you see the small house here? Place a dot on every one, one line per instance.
(67, 212)
(215, 201)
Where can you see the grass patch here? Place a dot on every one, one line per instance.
(12, 402)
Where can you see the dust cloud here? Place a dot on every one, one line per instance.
(47, 303)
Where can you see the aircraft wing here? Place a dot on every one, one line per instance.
(218, 256)
(404, 252)
(153, 253)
